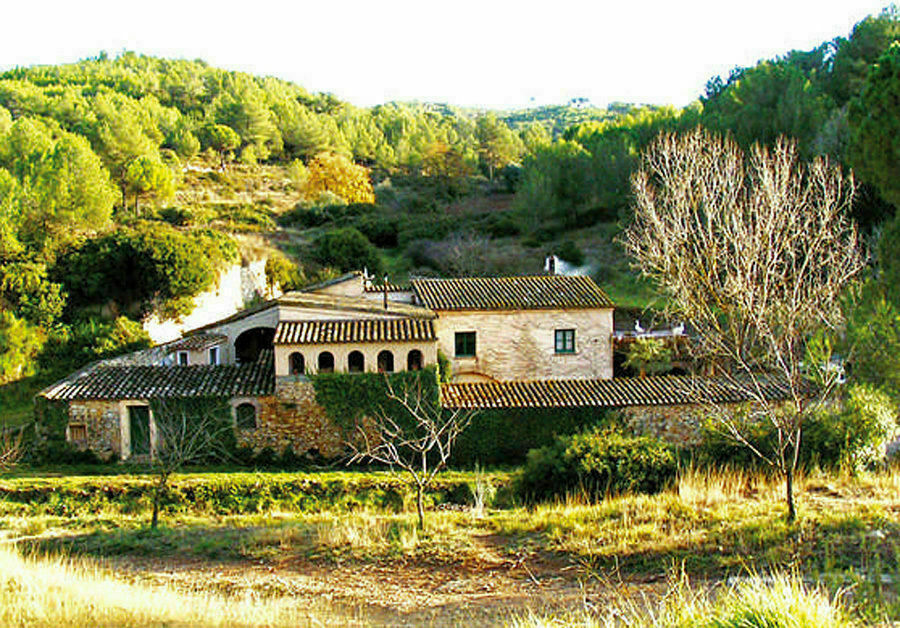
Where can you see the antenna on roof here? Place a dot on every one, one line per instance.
(385, 285)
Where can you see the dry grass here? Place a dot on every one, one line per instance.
(778, 601)
(66, 593)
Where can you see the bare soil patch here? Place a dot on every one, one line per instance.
(399, 592)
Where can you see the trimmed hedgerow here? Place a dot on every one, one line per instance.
(505, 436)
(231, 493)
(595, 464)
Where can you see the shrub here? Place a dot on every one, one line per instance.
(856, 435)
(523, 429)
(853, 434)
(154, 262)
(380, 230)
(597, 463)
(283, 273)
(569, 252)
(347, 249)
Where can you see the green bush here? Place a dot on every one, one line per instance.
(569, 252)
(151, 263)
(852, 434)
(347, 249)
(595, 464)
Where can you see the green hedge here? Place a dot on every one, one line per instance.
(504, 437)
(230, 493)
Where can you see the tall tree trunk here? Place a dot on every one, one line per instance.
(420, 505)
(789, 483)
(157, 499)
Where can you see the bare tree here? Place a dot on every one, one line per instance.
(755, 251)
(11, 447)
(418, 443)
(188, 431)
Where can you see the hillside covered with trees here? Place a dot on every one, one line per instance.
(128, 183)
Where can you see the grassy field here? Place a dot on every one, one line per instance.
(555, 562)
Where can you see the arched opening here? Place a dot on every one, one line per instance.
(251, 343)
(245, 416)
(298, 364)
(356, 362)
(326, 362)
(385, 362)
(414, 360)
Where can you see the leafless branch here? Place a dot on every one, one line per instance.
(12, 448)
(755, 251)
(418, 439)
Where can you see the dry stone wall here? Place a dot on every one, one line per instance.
(677, 425)
(292, 418)
(100, 420)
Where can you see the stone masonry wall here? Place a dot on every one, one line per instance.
(101, 421)
(677, 425)
(519, 345)
(292, 418)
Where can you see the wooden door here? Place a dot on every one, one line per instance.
(139, 425)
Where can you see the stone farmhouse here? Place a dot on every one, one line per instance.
(512, 342)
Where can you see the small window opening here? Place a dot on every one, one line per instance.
(245, 415)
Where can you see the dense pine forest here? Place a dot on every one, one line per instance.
(128, 183)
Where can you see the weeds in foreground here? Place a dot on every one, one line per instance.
(778, 601)
(67, 593)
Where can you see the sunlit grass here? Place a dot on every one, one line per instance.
(778, 601)
(64, 593)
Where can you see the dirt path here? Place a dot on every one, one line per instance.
(399, 592)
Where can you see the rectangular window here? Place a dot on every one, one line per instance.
(565, 341)
(182, 358)
(465, 344)
(77, 433)
(214, 355)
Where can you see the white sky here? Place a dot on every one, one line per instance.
(466, 52)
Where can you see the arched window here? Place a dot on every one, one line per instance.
(414, 360)
(356, 363)
(245, 415)
(326, 362)
(298, 364)
(385, 362)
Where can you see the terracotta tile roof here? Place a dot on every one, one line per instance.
(197, 342)
(313, 300)
(608, 393)
(391, 287)
(152, 382)
(373, 330)
(511, 293)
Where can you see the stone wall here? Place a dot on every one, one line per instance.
(519, 345)
(678, 425)
(102, 427)
(292, 418)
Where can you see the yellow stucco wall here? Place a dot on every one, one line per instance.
(340, 351)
